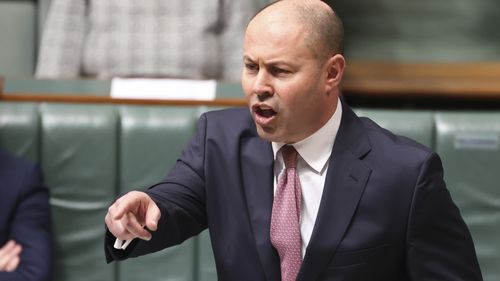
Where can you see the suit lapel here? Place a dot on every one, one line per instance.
(344, 185)
(257, 169)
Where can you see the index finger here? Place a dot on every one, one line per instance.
(123, 205)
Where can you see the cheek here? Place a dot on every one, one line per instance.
(304, 106)
(296, 97)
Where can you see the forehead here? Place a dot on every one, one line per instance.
(273, 35)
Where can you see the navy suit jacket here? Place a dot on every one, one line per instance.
(385, 212)
(25, 218)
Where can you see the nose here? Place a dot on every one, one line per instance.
(262, 86)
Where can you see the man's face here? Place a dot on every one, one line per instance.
(283, 81)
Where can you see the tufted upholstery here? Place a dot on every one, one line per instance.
(90, 154)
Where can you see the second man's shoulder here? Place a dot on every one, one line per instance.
(234, 112)
(235, 118)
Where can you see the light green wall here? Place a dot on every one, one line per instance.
(17, 38)
(424, 30)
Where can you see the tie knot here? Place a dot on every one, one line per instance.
(289, 156)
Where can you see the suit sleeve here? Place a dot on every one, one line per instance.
(31, 227)
(439, 245)
(181, 199)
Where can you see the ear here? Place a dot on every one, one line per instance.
(335, 70)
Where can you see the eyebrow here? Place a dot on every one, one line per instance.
(267, 64)
(245, 57)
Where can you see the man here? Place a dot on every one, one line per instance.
(25, 223)
(360, 203)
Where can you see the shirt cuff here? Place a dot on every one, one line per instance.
(122, 244)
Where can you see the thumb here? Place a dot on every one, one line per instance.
(153, 215)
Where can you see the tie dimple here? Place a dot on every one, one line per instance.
(285, 218)
(289, 156)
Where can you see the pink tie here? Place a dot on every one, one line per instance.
(285, 219)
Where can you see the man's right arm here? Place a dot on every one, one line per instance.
(179, 202)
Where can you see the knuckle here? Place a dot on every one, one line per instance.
(128, 224)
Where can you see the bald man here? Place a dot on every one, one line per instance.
(296, 186)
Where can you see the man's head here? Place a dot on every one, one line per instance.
(293, 65)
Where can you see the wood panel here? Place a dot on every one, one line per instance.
(423, 80)
(478, 82)
(47, 97)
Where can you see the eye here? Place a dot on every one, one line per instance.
(278, 71)
(251, 67)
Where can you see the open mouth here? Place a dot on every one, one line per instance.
(265, 112)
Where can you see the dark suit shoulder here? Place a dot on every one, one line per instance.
(9, 161)
(15, 171)
(396, 149)
(231, 122)
(238, 115)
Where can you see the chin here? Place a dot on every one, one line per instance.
(266, 135)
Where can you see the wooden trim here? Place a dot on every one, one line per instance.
(423, 80)
(46, 97)
(366, 80)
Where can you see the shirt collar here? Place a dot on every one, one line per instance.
(316, 149)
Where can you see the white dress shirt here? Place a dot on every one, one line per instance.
(312, 165)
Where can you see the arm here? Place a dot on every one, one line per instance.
(179, 201)
(31, 229)
(63, 38)
(439, 245)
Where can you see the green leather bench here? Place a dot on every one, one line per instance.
(91, 154)
(469, 144)
(151, 139)
(417, 125)
(78, 154)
